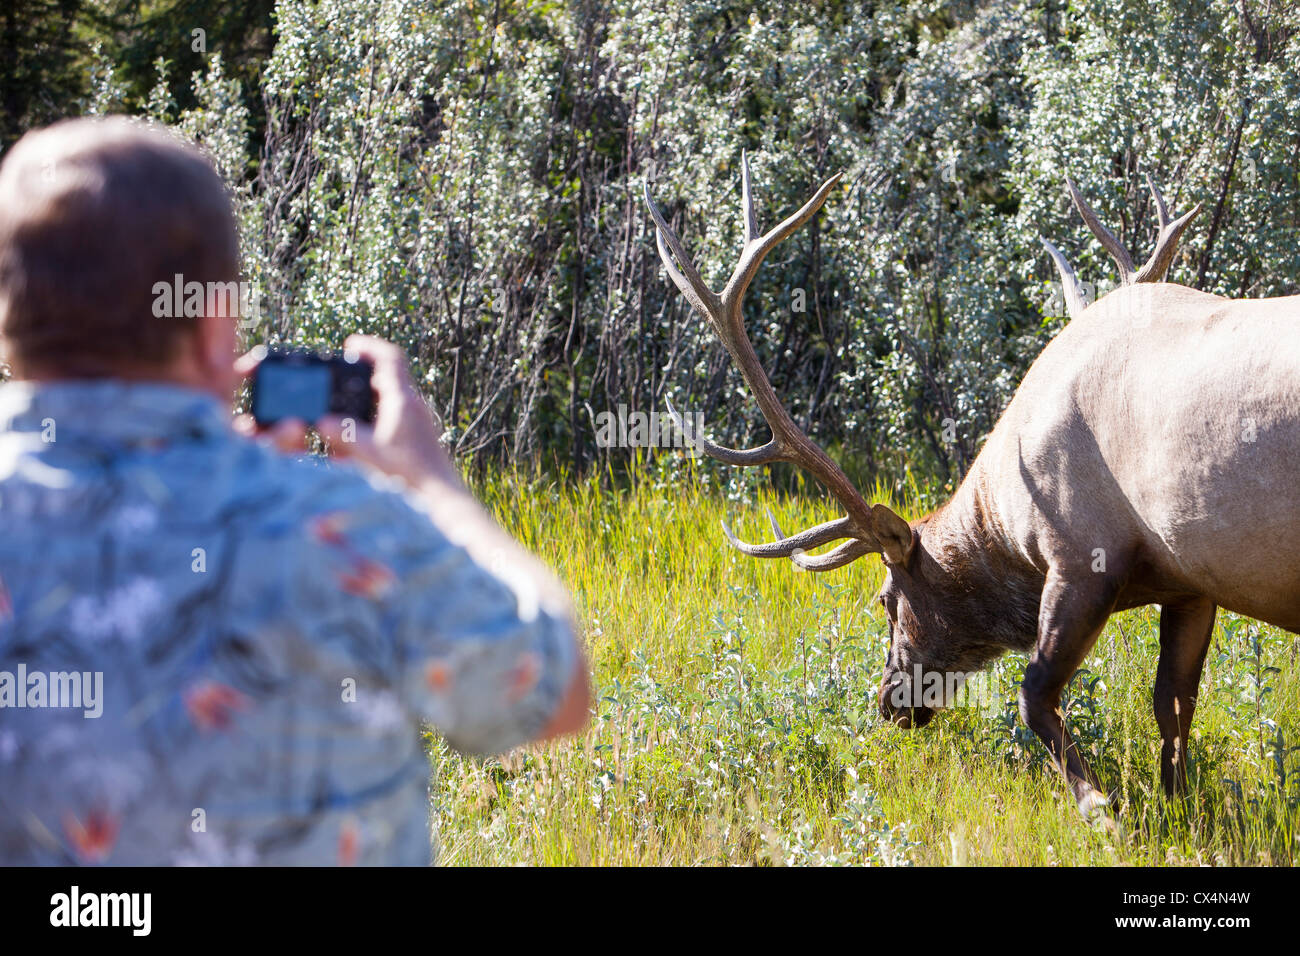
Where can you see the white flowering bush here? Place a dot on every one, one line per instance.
(465, 178)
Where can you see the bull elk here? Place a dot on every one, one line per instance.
(1149, 456)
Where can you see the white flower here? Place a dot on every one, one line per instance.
(123, 612)
(134, 519)
(208, 849)
(378, 710)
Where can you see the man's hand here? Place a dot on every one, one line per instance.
(290, 435)
(405, 440)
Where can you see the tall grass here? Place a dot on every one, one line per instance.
(736, 721)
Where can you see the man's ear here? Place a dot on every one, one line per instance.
(893, 533)
(213, 347)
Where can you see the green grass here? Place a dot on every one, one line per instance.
(736, 721)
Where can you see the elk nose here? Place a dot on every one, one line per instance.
(887, 709)
(920, 716)
(903, 717)
(909, 717)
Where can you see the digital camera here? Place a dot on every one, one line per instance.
(308, 386)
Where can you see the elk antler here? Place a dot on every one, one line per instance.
(1153, 271)
(869, 528)
(1166, 243)
(1074, 304)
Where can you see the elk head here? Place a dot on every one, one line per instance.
(931, 629)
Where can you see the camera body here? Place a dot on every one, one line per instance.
(308, 386)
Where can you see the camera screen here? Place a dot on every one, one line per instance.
(292, 391)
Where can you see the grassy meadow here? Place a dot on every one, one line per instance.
(736, 725)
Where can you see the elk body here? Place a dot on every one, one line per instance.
(1149, 456)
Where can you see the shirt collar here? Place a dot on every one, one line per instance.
(112, 410)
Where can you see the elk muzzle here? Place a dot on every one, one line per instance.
(897, 704)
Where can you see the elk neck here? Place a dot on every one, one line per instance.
(988, 588)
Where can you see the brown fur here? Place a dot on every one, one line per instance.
(1159, 433)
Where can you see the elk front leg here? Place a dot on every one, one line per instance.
(1185, 630)
(1070, 616)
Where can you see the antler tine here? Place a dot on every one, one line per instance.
(757, 248)
(795, 546)
(1104, 235)
(1155, 268)
(762, 455)
(687, 279)
(1162, 211)
(1166, 248)
(1074, 304)
(846, 553)
(784, 547)
(751, 219)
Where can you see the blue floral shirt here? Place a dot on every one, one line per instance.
(213, 653)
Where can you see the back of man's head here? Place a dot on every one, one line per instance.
(94, 213)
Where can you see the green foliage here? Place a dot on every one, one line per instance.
(465, 178)
(62, 58)
(42, 70)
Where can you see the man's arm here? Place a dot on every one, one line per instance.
(464, 521)
(405, 443)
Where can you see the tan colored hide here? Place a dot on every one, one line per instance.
(1163, 425)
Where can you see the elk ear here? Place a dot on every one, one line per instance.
(893, 533)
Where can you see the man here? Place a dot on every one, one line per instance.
(212, 651)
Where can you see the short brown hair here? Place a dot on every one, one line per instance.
(93, 214)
